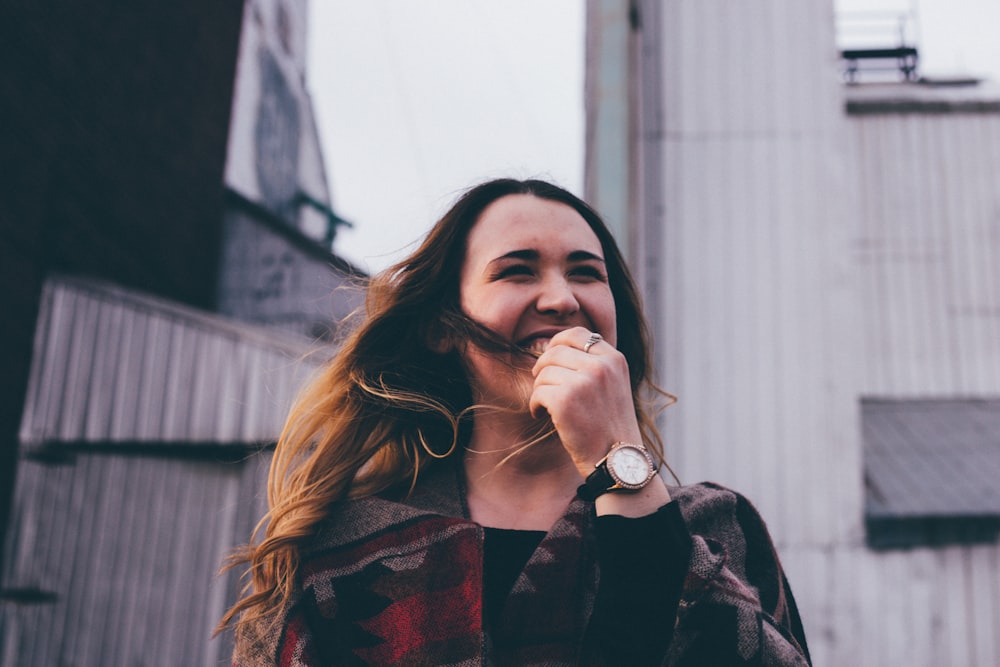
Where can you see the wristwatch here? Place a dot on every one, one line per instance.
(626, 469)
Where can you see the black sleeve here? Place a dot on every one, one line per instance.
(643, 563)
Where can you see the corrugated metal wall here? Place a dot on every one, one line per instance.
(756, 294)
(110, 365)
(126, 548)
(928, 251)
(140, 470)
(756, 301)
(795, 276)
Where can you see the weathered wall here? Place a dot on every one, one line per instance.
(141, 470)
(794, 259)
(274, 153)
(752, 231)
(115, 121)
(928, 182)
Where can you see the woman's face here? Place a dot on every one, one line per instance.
(532, 268)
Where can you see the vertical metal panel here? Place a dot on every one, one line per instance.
(915, 607)
(984, 612)
(752, 114)
(608, 165)
(807, 259)
(927, 252)
(130, 544)
(117, 366)
(132, 552)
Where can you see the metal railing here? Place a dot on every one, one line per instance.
(882, 42)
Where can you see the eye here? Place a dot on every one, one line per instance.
(588, 272)
(512, 271)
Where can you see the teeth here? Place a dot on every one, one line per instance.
(537, 345)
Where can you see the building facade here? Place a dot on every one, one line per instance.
(819, 264)
(167, 244)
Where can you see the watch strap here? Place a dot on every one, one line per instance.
(597, 483)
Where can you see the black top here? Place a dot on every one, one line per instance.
(505, 553)
(643, 563)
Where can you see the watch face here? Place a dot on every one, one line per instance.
(629, 465)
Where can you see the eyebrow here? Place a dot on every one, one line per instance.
(534, 255)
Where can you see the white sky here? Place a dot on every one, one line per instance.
(416, 101)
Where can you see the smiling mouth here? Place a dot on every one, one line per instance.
(535, 346)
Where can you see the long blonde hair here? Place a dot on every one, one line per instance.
(387, 405)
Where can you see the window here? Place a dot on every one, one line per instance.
(932, 471)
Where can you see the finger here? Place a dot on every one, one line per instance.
(578, 339)
(594, 339)
(553, 375)
(538, 403)
(586, 341)
(559, 355)
(575, 337)
(553, 400)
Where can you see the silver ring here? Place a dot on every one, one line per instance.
(594, 338)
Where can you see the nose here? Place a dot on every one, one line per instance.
(556, 296)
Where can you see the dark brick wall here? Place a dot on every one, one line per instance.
(113, 126)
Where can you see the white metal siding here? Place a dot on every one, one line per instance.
(130, 540)
(112, 365)
(131, 548)
(756, 294)
(927, 252)
(757, 299)
(919, 607)
(807, 259)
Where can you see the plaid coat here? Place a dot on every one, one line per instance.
(387, 582)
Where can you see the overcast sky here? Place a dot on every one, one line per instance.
(416, 101)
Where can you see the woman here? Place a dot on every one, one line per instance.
(472, 479)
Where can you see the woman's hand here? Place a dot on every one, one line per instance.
(588, 396)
